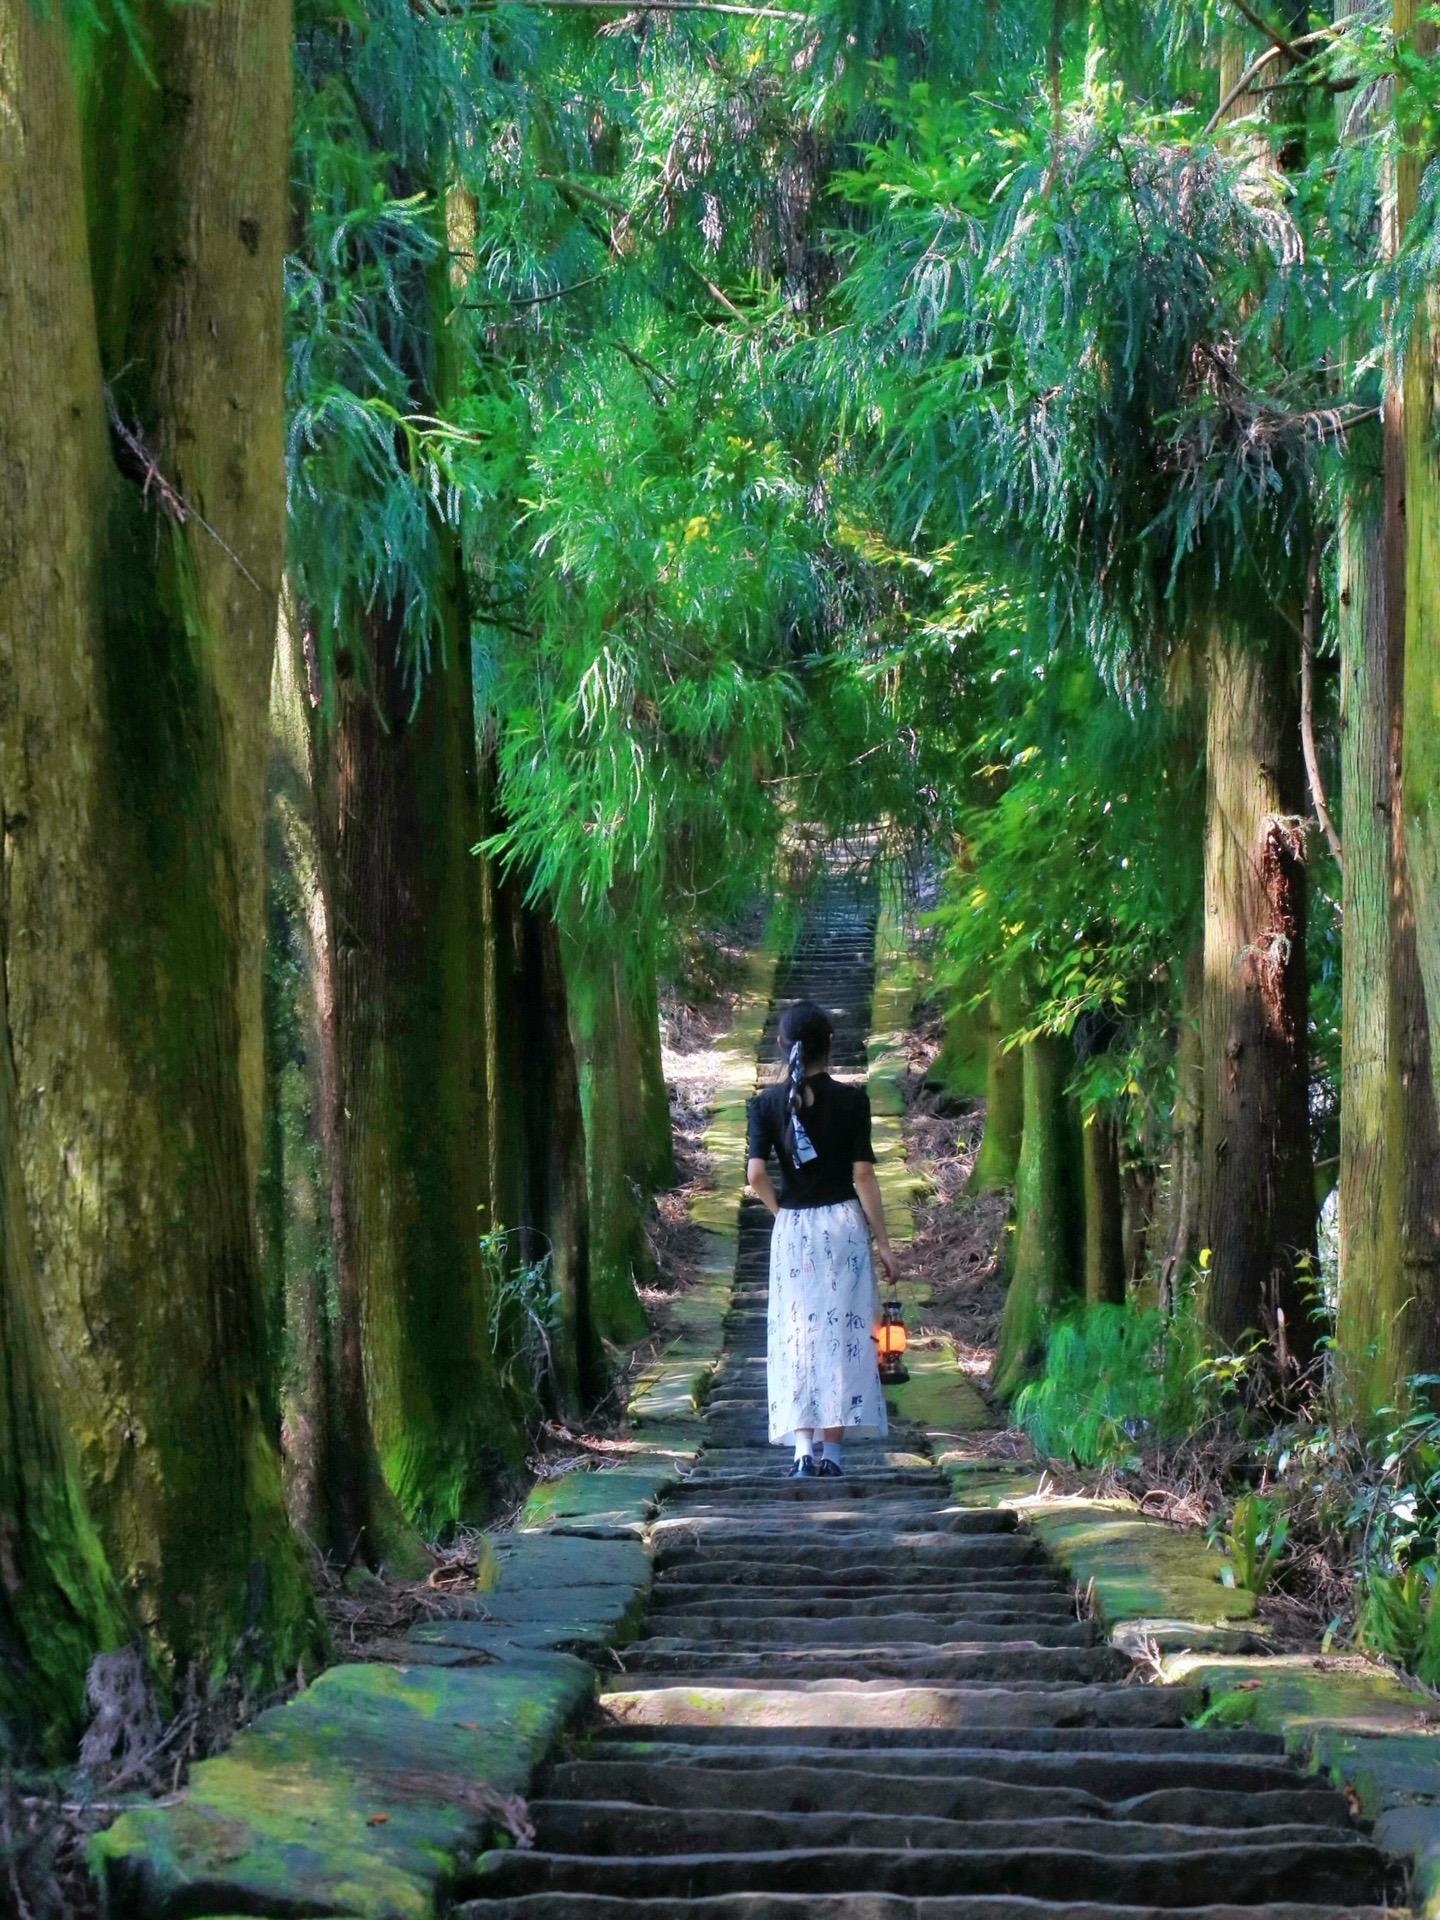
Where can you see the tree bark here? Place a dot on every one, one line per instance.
(999, 1155)
(1257, 1195)
(143, 508)
(1104, 1212)
(1046, 1271)
(537, 1108)
(650, 1099)
(1182, 1198)
(1421, 691)
(335, 1489)
(620, 1258)
(1388, 1321)
(400, 814)
(59, 1604)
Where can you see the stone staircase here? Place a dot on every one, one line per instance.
(857, 1700)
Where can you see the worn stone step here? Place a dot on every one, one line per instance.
(617, 1827)
(1109, 1775)
(773, 1489)
(853, 1789)
(1161, 1746)
(751, 1557)
(881, 1906)
(757, 1631)
(816, 1706)
(799, 1526)
(1015, 1563)
(1337, 1869)
(779, 1665)
(881, 1460)
(772, 1485)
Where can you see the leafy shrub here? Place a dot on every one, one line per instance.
(1115, 1377)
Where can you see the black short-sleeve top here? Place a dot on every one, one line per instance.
(838, 1123)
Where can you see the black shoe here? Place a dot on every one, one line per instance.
(830, 1470)
(804, 1468)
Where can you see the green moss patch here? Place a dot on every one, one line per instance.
(1141, 1568)
(1309, 1698)
(363, 1796)
(938, 1396)
(548, 1561)
(605, 1500)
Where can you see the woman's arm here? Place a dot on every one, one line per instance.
(757, 1173)
(868, 1189)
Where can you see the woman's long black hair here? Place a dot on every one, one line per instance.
(805, 1036)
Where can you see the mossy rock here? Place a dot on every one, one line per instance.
(549, 1561)
(582, 1619)
(1326, 1708)
(608, 1497)
(360, 1797)
(1141, 1568)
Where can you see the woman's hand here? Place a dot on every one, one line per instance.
(886, 1256)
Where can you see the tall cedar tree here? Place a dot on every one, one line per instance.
(141, 386)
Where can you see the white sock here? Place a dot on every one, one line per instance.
(804, 1447)
(834, 1451)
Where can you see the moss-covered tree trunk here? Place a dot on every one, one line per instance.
(999, 1154)
(59, 1605)
(143, 505)
(1182, 1181)
(537, 1114)
(335, 1487)
(1104, 1210)
(400, 814)
(1421, 678)
(649, 1119)
(1257, 1196)
(1046, 1270)
(1388, 1320)
(620, 1258)
(537, 1130)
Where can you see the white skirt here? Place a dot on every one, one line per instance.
(821, 1364)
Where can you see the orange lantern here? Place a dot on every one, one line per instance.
(891, 1341)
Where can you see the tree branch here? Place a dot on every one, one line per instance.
(531, 300)
(1277, 39)
(1288, 48)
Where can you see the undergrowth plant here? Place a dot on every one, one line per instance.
(1115, 1378)
(526, 1315)
(1399, 1617)
(1253, 1543)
